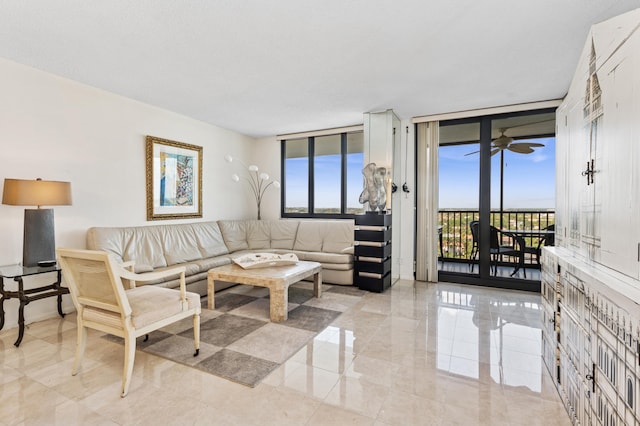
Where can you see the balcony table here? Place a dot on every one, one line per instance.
(519, 235)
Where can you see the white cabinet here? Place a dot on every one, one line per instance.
(591, 279)
(598, 156)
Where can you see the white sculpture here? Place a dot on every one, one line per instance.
(374, 191)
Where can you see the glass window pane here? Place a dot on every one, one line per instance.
(459, 184)
(296, 179)
(327, 174)
(355, 163)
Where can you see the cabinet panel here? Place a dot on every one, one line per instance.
(618, 168)
(597, 350)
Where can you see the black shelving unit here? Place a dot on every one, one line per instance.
(372, 263)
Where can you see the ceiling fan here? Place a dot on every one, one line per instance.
(503, 142)
(506, 142)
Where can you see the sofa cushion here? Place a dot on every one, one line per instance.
(212, 262)
(110, 240)
(191, 269)
(309, 236)
(144, 246)
(316, 256)
(209, 237)
(141, 244)
(283, 233)
(338, 237)
(258, 234)
(337, 266)
(234, 233)
(139, 268)
(180, 244)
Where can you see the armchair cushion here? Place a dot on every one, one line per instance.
(152, 304)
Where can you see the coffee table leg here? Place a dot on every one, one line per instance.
(211, 304)
(279, 300)
(317, 284)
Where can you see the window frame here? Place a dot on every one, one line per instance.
(311, 182)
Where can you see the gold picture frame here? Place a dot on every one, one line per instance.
(174, 179)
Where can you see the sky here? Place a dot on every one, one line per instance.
(327, 178)
(529, 179)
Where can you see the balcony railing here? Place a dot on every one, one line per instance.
(457, 240)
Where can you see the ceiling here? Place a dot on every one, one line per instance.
(264, 68)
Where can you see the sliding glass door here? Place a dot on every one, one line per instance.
(458, 197)
(496, 198)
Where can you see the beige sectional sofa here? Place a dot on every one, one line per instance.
(205, 245)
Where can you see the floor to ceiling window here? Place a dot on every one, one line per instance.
(496, 198)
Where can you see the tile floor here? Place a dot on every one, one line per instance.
(418, 354)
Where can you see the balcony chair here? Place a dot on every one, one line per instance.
(498, 250)
(95, 282)
(546, 240)
(474, 227)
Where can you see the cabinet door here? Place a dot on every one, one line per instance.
(580, 196)
(618, 169)
(562, 188)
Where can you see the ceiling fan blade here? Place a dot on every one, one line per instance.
(471, 153)
(533, 144)
(495, 151)
(520, 148)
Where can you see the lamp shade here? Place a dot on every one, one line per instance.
(21, 192)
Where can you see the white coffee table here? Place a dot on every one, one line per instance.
(276, 278)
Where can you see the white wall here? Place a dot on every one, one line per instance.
(58, 129)
(266, 155)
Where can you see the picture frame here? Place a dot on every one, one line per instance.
(173, 179)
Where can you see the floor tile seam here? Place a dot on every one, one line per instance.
(340, 373)
(324, 401)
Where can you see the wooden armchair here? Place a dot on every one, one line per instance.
(102, 303)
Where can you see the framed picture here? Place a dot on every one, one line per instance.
(174, 179)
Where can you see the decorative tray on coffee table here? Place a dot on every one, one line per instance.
(265, 260)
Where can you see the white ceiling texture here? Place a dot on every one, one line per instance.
(264, 67)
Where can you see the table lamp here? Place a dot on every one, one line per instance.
(39, 244)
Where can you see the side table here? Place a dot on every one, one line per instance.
(17, 273)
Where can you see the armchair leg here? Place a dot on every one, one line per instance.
(129, 357)
(196, 333)
(80, 345)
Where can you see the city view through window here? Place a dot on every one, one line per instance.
(327, 164)
(522, 193)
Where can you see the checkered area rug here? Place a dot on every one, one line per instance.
(237, 340)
